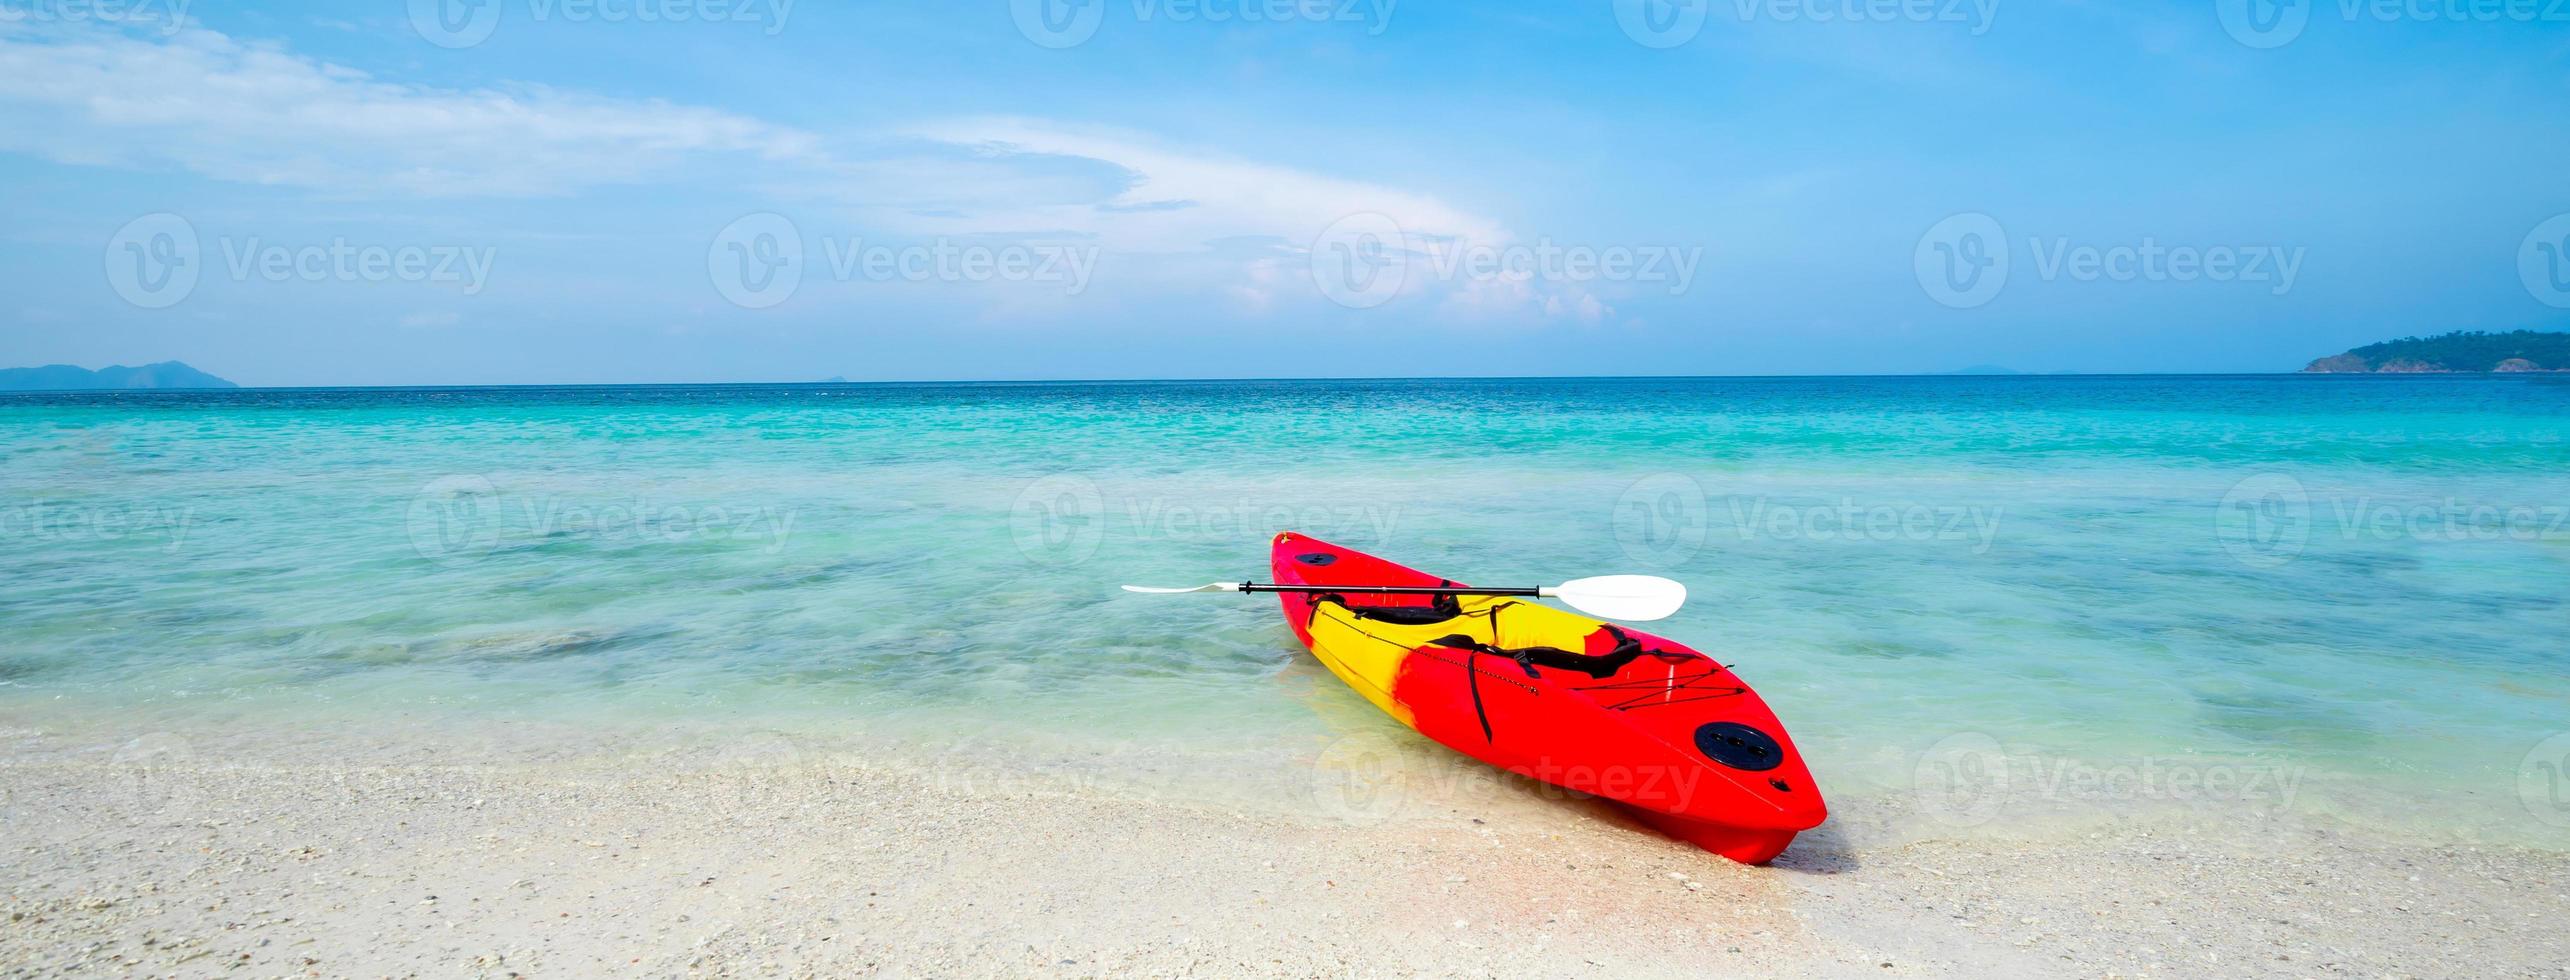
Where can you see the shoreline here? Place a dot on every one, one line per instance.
(1350, 763)
(164, 853)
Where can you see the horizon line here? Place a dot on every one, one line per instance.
(2021, 375)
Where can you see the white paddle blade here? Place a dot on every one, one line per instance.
(1632, 598)
(1156, 590)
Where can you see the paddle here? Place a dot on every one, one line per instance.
(1632, 598)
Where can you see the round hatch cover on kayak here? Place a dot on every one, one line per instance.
(1316, 558)
(1738, 746)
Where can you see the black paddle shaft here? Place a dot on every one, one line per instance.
(1386, 589)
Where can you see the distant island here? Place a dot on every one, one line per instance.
(65, 377)
(2460, 351)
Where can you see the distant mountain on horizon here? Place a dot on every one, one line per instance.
(117, 377)
(2463, 351)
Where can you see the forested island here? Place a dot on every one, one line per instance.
(2460, 351)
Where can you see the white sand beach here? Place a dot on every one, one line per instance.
(547, 854)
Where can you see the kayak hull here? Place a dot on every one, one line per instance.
(1561, 698)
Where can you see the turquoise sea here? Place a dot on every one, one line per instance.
(1973, 600)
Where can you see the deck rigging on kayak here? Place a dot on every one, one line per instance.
(1632, 598)
(1566, 699)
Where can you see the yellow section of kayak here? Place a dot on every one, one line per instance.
(1367, 654)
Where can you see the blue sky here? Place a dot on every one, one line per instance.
(531, 191)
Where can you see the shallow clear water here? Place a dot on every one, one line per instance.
(1978, 595)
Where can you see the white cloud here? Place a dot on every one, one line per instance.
(1180, 199)
(202, 101)
(1181, 203)
(1499, 298)
(1170, 219)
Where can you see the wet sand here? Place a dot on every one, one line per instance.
(160, 854)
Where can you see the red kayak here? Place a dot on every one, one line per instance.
(1559, 697)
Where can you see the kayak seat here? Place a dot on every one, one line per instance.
(1403, 615)
(1599, 666)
